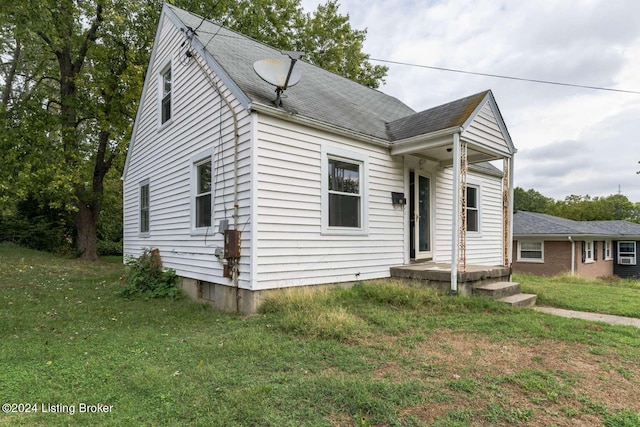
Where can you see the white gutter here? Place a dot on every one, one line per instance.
(573, 256)
(422, 142)
(455, 213)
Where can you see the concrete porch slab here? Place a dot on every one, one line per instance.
(439, 275)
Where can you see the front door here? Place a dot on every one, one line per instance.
(420, 216)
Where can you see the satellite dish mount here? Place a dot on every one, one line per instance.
(278, 74)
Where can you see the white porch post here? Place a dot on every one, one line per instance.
(455, 213)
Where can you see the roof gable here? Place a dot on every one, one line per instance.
(452, 114)
(320, 95)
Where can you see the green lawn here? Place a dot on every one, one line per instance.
(619, 297)
(381, 353)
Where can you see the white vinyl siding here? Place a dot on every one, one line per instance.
(292, 248)
(201, 122)
(485, 247)
(484, 129)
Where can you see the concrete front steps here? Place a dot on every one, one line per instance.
(507, 292)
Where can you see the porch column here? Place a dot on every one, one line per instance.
(507, 207)
(455, 213)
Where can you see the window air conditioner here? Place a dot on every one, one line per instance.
(627, 260)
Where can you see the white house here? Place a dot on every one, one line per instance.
(338, 183)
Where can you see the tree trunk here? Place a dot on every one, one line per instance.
(86, 222)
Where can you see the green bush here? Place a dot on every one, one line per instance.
(106, 248)
(145, 276)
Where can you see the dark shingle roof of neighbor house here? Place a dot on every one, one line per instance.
(532, 224)
(322, 95)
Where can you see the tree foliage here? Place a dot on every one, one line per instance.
(578, 208)
(71, 74)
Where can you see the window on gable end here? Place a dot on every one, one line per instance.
(166, 86)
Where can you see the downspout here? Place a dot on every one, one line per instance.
(236, 141)
(573, 256)
(455, 213)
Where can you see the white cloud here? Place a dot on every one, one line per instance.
(570, 140)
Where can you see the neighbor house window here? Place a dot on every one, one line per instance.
(531, 251)
(473, 212)
(165, 88)
(606, 248)
(627, 253)
(344, 193)
(144, 207)
(588, 251)
(203, 194)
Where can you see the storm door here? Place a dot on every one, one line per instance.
(420, 216)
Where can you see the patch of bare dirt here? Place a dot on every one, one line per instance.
(544, 383)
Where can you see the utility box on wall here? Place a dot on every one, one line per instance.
(232, 244)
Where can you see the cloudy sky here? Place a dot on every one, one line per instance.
(569, 140)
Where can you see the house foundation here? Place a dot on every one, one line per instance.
(238, 300)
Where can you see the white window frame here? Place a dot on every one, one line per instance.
(534, 260)
(588, 251)
(356, 158)
(627, 254)
(167, 67)
(196, 161)
(608, 250)
(142, 209)
(477, 187)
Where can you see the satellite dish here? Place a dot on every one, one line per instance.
(275, 72)
(278, 73)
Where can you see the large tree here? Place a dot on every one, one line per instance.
(71, 74)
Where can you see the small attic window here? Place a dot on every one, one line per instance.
(165, 90)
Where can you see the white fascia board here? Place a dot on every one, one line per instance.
(211, 62)
(499, 120)
(424, 142)
(145, 88)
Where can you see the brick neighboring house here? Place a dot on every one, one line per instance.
(547, 245)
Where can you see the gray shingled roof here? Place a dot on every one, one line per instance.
(320, 94)
(442, 117)
(531, 224)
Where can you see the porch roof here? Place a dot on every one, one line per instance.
(475, 118)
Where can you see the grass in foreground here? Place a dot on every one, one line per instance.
(378, 354)
(610, 296)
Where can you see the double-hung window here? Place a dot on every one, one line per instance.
(473, 211)
(344, 192)
(608, 254)
(166, 86)
(144, 207)
(203, 194)
(530, 251)
(588, 251)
